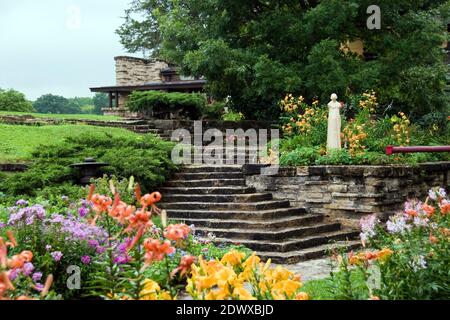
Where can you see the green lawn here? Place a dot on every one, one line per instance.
(17, 142)
(61, 116)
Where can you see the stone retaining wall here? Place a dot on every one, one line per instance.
(346, 193)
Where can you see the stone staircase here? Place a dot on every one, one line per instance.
(216, 199)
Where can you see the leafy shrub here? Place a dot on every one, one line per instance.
(302, 156)
(233, 116)
(147, 158)
(336, 157)
(213, 111)
(12, 100)
(179, 104)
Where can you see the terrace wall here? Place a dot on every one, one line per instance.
(346, 193)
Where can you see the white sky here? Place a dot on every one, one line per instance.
(46, 47)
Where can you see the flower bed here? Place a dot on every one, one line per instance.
(104, 247)
(366, 131)
(408, 258)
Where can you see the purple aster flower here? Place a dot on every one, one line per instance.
(28, 269)
(397, 224)
(122, 259)
(76, 229)
(122, 248)
(86, 259)
(83, 211)
(27, 215)
(37, 276)
(93, 243)
(100, 250)
(57, 255)
(39, 286)
(48, 247)
(13, 274)
(367, 225)
(2, 225)
(432, 194)
(22, 203)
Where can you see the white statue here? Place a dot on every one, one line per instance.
(334, 124)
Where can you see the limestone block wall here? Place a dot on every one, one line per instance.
(136, 71)
(346, 193)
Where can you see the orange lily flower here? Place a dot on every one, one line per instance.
(429, 210)
(156, 250)
(176, 232)
(185, 265)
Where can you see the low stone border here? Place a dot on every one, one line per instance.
(345, 193)
(8, 167)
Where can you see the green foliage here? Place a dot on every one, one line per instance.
(100, 101)
(213, 111)
(12, 100)
(233, 116)
(50, 103)
(147, 158)
(254, 52)
(18, 142)
(302, 156)
(179, 104)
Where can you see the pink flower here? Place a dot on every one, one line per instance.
(86, 259)
(57, 255)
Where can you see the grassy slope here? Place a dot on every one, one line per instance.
(17, 142)
(61, 116)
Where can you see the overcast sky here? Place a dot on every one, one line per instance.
(59, 46)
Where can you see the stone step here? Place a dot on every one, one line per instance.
(210, 168)
(308, 253)
(252, 197)
(208, 175)
(224, 206)
(236, 214)
(273, 224)
(206, 183)
(207, 190)
(293, 244)
(271, 235)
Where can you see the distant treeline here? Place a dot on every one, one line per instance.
(12, 100)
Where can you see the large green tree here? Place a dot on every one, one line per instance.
(12, 100)
(100, 101)
(254, 51)
(54, 104)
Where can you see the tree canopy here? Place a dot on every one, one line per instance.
(100, 100)
(255, 51)
(12, 100)
(54, 104)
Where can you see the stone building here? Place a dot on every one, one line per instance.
(138, 74)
